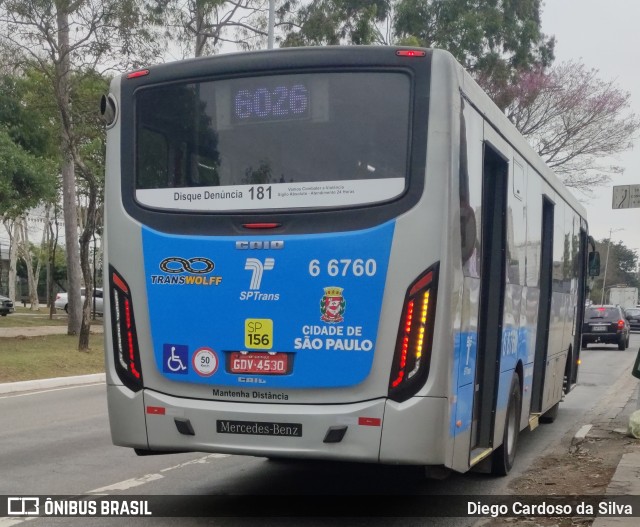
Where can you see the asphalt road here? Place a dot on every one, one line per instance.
(57, 442)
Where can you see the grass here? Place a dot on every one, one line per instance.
(29, 358)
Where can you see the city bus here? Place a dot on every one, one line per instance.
(333, 253)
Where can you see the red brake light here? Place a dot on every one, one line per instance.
(139, 73)
(261, 225)
(620, 324)
(411, 53)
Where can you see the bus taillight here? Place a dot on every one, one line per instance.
(410, 366)
(123, 328)
(411, 53)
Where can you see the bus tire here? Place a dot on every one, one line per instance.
(504, 456)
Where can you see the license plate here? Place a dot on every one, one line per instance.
(259, 362)
(599, 328)
(260, 428)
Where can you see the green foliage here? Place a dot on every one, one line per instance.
(493, 39)
(489, 37)
(627, 264)
(620, 265)
(332, 22)
(23, 112)
(25, 179)
(27, 144)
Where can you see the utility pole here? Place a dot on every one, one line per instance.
(272, 23)
(606, 263)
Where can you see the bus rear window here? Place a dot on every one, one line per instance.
(273, 142)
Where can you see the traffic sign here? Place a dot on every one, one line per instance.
(626, 197)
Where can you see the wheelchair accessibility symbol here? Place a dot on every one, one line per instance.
(175, 359)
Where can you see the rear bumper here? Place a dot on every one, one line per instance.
(377, 431)
(605, 338)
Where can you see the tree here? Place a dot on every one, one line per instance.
(24, 178)
(63, 37)
(200, 27)
(572, 119)
(621, 266)
(331, 22)
(27, 172)
(492, 38)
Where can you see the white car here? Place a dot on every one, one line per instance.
(62, 302)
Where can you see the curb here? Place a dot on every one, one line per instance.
(610, 407)
(56, 382)
(625, 482)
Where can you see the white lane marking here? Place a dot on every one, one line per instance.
(136, 482)
(200, 460)
(126, 484)
(122, 485)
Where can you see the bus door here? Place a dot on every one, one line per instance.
(544, 306)
(572, 377)
(492, 290)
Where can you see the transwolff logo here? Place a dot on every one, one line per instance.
(186, 271)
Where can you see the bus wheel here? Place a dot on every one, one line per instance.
(504, 456)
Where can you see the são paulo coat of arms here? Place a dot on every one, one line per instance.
(332, 305)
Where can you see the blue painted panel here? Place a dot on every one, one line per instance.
(315, 297)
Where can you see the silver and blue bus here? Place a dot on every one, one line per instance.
(335, 253)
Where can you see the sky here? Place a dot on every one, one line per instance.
(604, 35)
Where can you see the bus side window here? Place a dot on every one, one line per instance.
(594, 263)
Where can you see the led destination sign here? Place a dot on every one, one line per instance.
(284, 101)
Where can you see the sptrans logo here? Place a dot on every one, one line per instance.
(257, 268)
(186, 271)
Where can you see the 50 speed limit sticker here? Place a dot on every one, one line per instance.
(205, 362)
